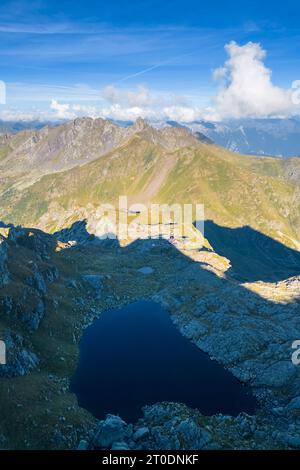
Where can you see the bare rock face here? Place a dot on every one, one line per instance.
(174, 426)
(112, 430)
(20, 359)
(292, 169)
(23, 292)
(170, 138)
(39, 242)
(29, 253)
(77, 233)
(59, 148)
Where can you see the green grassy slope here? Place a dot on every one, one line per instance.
(236, 190)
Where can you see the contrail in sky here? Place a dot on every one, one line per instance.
(153, 67)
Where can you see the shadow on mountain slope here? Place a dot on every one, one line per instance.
(243, 331)
(253, 255)
(77, 233)
(226, 320)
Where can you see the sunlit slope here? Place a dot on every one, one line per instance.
(237, 190)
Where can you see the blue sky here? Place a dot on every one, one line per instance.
(88, 56)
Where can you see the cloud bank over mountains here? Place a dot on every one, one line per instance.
(245, 90)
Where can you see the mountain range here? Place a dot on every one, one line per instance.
(50, 176)
(274, 137)
(270, 136)
(234, 292)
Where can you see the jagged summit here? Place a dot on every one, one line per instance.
(52, 175)
(140, 124)
(62, 147)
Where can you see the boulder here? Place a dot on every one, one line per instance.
(113, 429)
(294, 404)
(19, 359)
(192, 434)
(83, 445)
(141, 433)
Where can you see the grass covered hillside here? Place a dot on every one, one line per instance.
(261, 192)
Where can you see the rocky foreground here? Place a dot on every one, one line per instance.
(173, 426)
(52, 287)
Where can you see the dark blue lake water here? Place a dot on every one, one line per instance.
(135, 356)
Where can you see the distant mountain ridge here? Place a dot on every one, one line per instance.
(31, 153)
(12, 127)
(52, 177)
(276, 137)
(272, 137)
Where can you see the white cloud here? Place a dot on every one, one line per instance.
(17, 115)
(140, 97)
(141, 102)
(246, 86)
(84, 110)
(181, 113)
(61, 111)
(118, 112)
(246, 89)
(124, 113)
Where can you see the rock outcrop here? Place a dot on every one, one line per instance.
(173, 426)
(19, 359)
(23, 293)
(55, 289)
(4, 274)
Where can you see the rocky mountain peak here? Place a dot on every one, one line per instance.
(140, 125)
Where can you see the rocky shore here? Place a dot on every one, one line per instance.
(173, 426)
(247, 327)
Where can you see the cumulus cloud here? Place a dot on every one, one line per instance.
(123, 104)
(61, 111)
(118, 112)
(129, 104)
(182, 113)
(246, 87)
(173, 113)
